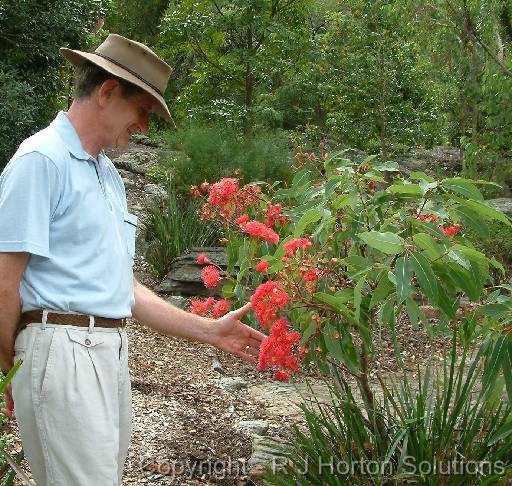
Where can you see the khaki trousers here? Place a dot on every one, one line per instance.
(73, 403)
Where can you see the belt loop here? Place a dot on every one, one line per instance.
(44, 319)
(91, 324)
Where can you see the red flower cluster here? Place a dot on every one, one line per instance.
(259, 230)
(291, 246)
(276, 351)
(449, 230)
(201, 307)
(274, 216)
(262, 266)
(210, 276)
(201, 259)
(431, 218)
(220, 308)
(267, 301)
(223, 192)
(242, 219)
(310, 276)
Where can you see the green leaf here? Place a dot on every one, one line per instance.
(467, 280)
(5, 381)
(429, 245)
(310, 330)
(335, 301)
(495, 311)
(389, 243)
(386, 314)
(388, 166)
(312, 216)
(464, 187)
(342, 201)
(228, 291)
(485, 211)
(472, 220)
(446, 303)
(502, 433)
(414, 313)
(358, 298)
(457, 257)
(427, 186)
(423, 270)
(403, 274)
(383, 289)
(405, 189)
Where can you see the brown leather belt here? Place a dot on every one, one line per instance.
(81, 320)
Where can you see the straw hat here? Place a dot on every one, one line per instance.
(131, 61)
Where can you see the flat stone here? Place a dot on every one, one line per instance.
(267, 452)
(184, 277)
(233, 383)
(284, 399)
(253, 427)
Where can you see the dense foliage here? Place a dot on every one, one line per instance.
(33, 74)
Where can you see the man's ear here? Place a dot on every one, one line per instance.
(107, 90)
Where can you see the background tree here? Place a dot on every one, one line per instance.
(232, 47)
(31, 33)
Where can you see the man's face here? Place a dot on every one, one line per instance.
(128, 116)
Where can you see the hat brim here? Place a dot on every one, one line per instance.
(77, 58)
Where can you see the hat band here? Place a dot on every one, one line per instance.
(113, 61)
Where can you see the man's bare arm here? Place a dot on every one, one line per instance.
(12, 266)
(226, 333)
(156, 313)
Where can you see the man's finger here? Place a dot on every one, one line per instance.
(239, 313)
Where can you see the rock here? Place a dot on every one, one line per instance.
(135, 162)
(143, 140)
(283, 399)
(503, 204)
(233, 383)
(128, 184)
(155, 194)
(184, 277)
(253, 427)
(177, 301)
(267, 452)
(444, 157)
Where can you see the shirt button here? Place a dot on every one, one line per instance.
(87, 342)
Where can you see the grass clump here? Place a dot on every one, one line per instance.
(172, 229)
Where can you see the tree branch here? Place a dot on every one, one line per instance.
(199, 50)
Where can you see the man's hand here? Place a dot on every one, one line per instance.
(232, 336)
(9, 403)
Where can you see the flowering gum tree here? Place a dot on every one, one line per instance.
(349, 246)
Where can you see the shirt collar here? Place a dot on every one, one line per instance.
(69, 136)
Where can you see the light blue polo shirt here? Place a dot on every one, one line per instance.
(68, 210)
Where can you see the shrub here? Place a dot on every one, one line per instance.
(214, 152)
(7, 473)
(16, 112)
(172, 230)
(439, 421)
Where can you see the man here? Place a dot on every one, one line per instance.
(66, 281)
